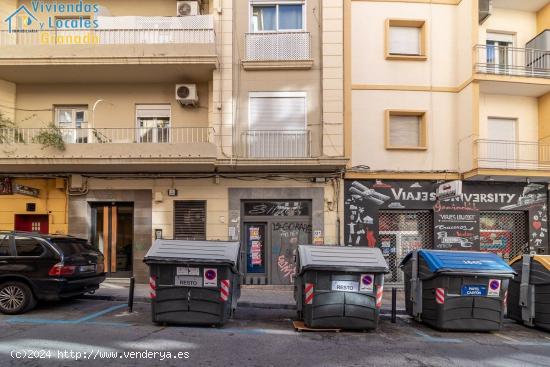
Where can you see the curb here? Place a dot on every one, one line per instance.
(244, 304)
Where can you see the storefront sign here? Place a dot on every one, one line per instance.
(25, 190)
(5, 186)
(453, 228)
(456, 227)
(277, 208)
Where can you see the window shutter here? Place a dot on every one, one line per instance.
(405, 131)
(277, 113)
(405, 40)
(190, 220)
(153, 111)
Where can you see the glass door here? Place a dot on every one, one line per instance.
(499, 52)
(112, 234)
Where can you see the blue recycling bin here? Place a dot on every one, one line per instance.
(456, 290)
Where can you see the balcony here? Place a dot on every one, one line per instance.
(275, 144)
(502, 154)
(512, 61)
(278, 50)
(174, 149)
(125, 49)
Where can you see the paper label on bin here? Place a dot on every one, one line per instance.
(367, 283)
(494, 288)
(345, 286)
(210, 277)
(183, 270)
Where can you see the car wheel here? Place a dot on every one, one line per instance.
(15, 298)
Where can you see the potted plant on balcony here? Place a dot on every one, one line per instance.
(51, 136)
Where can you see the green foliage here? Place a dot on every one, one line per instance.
(50, 137)
(7, 132)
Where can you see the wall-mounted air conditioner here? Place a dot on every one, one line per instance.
(188, 7)
(186, 94)
(485, 9)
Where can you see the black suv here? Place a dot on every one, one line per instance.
(45, 267)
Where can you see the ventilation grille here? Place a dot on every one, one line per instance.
(190, 220)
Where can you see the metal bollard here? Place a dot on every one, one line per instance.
(131, 294)
(393, 305)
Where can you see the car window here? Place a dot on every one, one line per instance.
(4, 245)
(26, 246)
(71, 247)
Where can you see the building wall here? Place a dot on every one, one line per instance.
(544, 117)
(308, 81)
(524, 109)
(7, 99)
(51, 201)
(520, 23)
(118, 108)
(543, 18)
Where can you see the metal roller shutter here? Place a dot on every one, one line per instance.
(190, 220)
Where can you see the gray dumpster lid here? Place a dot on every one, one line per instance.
(363, 259)
(184, 251)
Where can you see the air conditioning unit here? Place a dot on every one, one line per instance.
(188, 7)
(485, 10)
(186, 94)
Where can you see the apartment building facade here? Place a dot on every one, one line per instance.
(445, 90)
(126, 121)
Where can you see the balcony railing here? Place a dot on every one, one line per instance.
(512, 61)
(278, 46)
(121, 31)
(274, 144)
(513, 154)
(162, 135)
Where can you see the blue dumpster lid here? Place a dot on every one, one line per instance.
(184, 251)
(339, 258)
(462, 261)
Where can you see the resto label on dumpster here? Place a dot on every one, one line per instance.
(188, 281)
(345, 286)
(473, 290)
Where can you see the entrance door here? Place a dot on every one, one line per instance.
(32, 223)
(256, 243)
(285, 238)
(113, 235)
(502, 147)
(499, 52)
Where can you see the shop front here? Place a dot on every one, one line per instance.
(33, 205)
(400, 216)
(272, 223)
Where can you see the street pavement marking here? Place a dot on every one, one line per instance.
(506, 337)
(434, 339)
(85, 319)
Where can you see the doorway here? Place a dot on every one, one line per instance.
(502, 149)
(272, 232)
(499, 52)
(113, 235)
(32, 223)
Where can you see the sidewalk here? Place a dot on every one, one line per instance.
(270, 297)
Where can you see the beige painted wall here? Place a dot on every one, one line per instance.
(132, 7)
(543, 18)
(544, 117)
(281, 80)
(7, 99)
(466, 136)
(520, 23)
(118, 108)
(369, 65)
(368, 131)
(524, 109)
(216, 195)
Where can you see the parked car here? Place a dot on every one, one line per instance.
(45, 267)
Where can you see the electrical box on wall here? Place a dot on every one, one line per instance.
(172, 192)
(31, 207)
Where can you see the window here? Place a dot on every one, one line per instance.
(277, 111)
(406, 130)
(405, 39)
(499, 51)
(4, 245)
(280, 16)
(73, 122)
(190, 220)
(153, 122)
(26, 246)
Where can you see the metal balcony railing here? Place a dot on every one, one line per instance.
(278, 46)
(274, 144)
(160, 135)
(513, 154)
(512, 61)
(128, 30)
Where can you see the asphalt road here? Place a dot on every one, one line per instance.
(102, 333)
